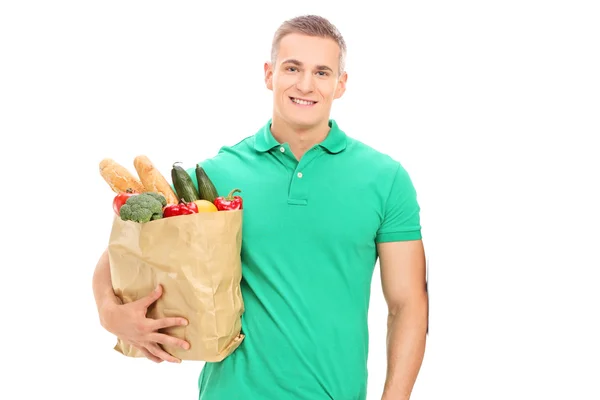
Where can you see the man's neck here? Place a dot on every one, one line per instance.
(300, 140)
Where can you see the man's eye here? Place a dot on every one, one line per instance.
(323, 73)
(291, 68)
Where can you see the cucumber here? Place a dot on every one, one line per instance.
(184, 186)
(206, 189)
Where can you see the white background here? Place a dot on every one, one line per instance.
(493, 107)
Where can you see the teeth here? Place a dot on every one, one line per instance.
(303, 102)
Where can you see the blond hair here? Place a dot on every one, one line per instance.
(311, 25)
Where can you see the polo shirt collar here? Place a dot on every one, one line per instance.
(264, 139)
(335, 141)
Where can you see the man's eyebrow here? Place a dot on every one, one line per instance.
(299, 63)
(292, 61)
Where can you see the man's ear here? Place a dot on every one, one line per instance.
(268, 75)
(341, 86)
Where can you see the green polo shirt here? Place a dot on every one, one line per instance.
(310, 231)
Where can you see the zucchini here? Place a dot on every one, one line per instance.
(206, 189)
(184, 186)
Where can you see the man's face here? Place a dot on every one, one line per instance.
(305, 80)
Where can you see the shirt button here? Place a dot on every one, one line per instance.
(281, 149)
(299, 174)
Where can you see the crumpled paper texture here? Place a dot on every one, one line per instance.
(196, 259)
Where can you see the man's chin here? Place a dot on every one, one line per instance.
(303, 121)
(300, 121)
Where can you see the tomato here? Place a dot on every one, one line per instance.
(120, 199)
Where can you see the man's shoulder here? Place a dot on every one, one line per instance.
(371, 157)
(224, 167)
(232, 151)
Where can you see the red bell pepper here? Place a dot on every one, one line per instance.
(230, 202)
(182, 208)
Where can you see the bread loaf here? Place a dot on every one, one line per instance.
(118, 177)
(153, 180)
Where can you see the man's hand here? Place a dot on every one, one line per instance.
(129, 323)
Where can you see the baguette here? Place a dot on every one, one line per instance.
(118, 177)
(153, 180)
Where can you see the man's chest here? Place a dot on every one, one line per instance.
(311, 205)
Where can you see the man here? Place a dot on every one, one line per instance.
(320, 207)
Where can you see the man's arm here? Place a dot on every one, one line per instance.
(129, 321)
(402, 265)
(103, 290)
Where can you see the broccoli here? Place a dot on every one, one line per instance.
(159, 197)
(141, 208)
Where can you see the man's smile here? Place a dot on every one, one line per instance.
(302, 102)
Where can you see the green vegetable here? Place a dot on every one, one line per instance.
(143, 207)
(206, 189)
(159, 197)
(183, 184)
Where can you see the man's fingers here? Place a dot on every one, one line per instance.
(168, 322)
(169, 340)
(150, 298)
(141, 348)
(160, 353)
(151, 356)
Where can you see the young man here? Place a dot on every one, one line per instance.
(320, 207)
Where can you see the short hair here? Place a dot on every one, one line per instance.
(311, 25)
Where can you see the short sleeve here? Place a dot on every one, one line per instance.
(401, 216)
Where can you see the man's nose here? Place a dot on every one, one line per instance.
(305, 82)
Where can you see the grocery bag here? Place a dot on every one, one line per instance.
(196, 258)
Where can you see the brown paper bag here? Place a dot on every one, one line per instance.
(196, 259)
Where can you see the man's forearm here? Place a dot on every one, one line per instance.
(102, 287)
(406, 337)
